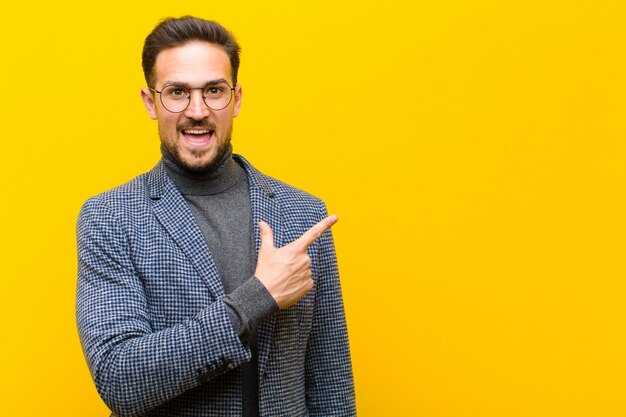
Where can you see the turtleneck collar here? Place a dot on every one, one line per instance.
(222, 176)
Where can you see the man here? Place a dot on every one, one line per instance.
(206, 288)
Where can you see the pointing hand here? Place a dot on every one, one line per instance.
(286, 272)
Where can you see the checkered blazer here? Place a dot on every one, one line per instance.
(153, 326)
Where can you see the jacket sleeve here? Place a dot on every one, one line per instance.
(328, 368)
(135, 368)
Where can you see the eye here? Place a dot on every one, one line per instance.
(175, 92)
(213, 91)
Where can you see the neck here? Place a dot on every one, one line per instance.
(218, 178)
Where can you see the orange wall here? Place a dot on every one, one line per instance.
(474, 151)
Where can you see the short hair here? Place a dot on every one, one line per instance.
(172, 32)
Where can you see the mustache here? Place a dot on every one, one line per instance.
(196, 125)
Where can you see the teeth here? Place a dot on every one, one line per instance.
(196, 132)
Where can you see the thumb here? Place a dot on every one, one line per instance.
(267, 237)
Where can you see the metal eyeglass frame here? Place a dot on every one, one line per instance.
(232, 89)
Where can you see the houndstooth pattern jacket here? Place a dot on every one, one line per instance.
(153, 326)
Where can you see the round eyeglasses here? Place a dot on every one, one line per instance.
(176, 98)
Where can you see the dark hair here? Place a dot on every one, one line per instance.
(172, 32)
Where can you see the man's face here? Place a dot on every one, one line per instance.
(199, 136)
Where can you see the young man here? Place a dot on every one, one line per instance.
(206, 288)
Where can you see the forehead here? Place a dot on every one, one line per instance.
(194, 62)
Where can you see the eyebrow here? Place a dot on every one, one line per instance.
(187, 85)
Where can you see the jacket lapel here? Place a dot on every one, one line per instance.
(172, 211)
(264, 207)
(174, 214)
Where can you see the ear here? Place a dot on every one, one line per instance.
(238, 96)
(148, 101)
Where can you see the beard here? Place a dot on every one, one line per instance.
(194, 161)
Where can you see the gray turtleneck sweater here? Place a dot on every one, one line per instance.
(220, 202)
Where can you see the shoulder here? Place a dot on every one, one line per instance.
(124, 199)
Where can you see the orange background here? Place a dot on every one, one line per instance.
(474, 152)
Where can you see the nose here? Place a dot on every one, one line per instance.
(197, 109)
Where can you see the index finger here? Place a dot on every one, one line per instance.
(315, 232)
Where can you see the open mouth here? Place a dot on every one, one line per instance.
(198, 136)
